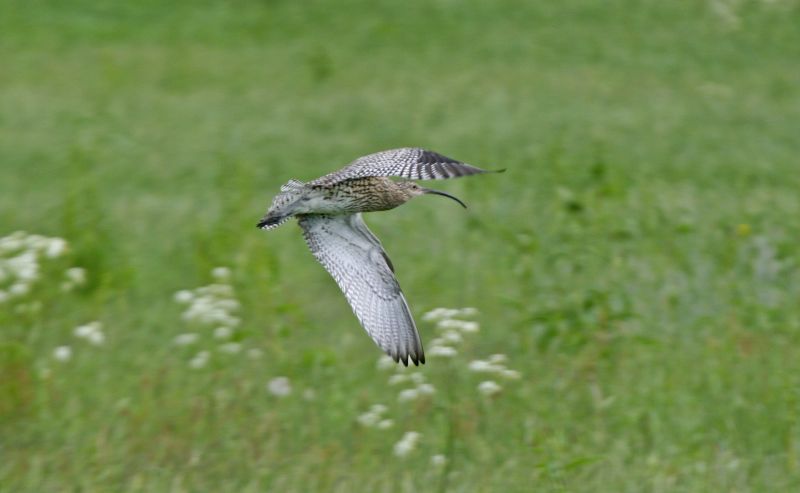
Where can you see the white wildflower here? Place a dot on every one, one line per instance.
(426, 389)
(378, 408)
(184, 296)
(97, 338)
(385, 363)
(439, 314)
(438, 460)
(92, 332)
(443, 351)
(489, 388)
(406, 444)
(452, 337)
(481, 366)
(62, 353)
(368, 419)
(19, 289)
(498, 358)
(231, 347)
(279, 387)
(462, 325)
(185, 339)
(55, 247)
(407, 395)
(76, 275)
(200, 360)
(510, 374)
(417, 377)
(372, 418)
(222, 332)
(221, 273)
(398, 378)
(385, 424)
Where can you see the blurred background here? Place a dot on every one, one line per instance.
(624, 300)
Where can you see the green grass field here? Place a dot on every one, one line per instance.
(637, 264)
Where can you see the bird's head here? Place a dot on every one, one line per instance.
(412, 189)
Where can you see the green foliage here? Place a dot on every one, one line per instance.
(637, 262)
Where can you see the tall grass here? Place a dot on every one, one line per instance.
(637, 264)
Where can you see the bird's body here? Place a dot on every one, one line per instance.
(329, 212)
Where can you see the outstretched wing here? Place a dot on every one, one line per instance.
(354, 257)
(408, 162)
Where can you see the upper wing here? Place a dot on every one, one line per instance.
(356, 260)
(408, 162)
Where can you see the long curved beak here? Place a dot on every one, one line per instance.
(443, 194)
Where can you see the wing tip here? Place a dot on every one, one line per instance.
(418, 358)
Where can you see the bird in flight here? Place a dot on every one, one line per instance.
(329, 210)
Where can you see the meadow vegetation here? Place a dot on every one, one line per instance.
(631, 283)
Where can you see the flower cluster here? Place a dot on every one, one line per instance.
(495, 365)
(92, 332)
(374, 418)
(213, 306)
(453, 329)
(407, 444)
(420, 387)
(279, 387)
(21, 255)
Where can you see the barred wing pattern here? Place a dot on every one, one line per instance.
(355, 258)
(408, 162)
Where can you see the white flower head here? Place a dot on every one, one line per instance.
(19, 289)
(185, 339)
(221, 273)
(385, 363)
(55, 248)
(231, 347)
(439, 314)
(407, 395)
(465, 326)
(406, 444)
(398, 378)
(510, 374)
(438, 460)
(452, 337)
(498, 358)
(62, 353)
(385, 424)
(76, 275)
(222, 332)
(184, 296)
(97, 338)
(443, 351)
(489, 388)
(426, 389)
(279, 387)
(481, 366)
(200, 360)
